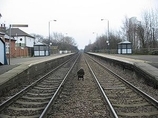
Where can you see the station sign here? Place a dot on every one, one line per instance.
(19, 25)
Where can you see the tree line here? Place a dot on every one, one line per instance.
(58, 40)
(142, 34)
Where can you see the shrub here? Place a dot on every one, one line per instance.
(155, 52)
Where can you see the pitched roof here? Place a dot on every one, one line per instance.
(7, 37)
(125, 42)
(1, 40)
(18, 32)
(2, 33)
(39, 43)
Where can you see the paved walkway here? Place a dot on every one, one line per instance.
(14, 62)
(149, 59)
(141, 62)
(6, 68)
(21, 60)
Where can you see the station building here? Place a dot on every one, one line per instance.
(41, 49)
(125, 47)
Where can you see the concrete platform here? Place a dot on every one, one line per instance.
(10, 75)
(142, 65)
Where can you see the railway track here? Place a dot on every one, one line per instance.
(83, 99)
(34, 100)
(61, 94)
(80, 98)
(124, 99)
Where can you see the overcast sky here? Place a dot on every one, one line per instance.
(75, 18)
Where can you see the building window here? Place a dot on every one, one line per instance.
(36, 48)
(123, 46)
(42, 48)
(7, 47)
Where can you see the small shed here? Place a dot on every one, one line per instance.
(125, 47)
(3, 59)
(41, 49)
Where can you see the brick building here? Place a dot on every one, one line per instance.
(8, 40)
(21, 42)
(24, 42)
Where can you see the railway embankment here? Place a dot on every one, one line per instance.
(29, 69)
(140, 67)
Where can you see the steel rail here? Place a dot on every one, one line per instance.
(103, 92)
(148, 97)
(20, 93)
(47, 108)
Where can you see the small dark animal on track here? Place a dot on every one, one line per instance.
(80, 74)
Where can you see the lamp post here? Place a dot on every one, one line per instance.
(49, 32)
(108, 43)
(9, 43)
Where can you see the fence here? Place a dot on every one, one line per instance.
(142, 51)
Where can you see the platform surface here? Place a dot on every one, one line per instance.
(147, 63)
(17, 65)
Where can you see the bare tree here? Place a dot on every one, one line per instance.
(125, 29)
(114, 39)
(129, 29)
(38, 38)
(63, 42)
(101, 43)
(141, 35)
(58, 39)
(149, 23)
